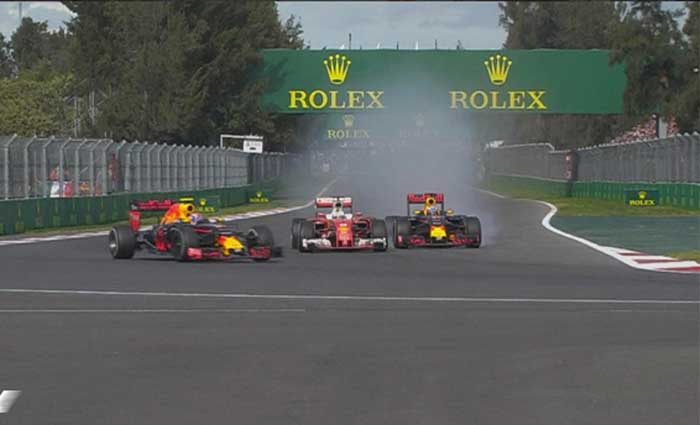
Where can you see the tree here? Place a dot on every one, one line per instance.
(685, 106)
(6, 63)
(36, 49)
(182, 70)
(31, 107)
(555, 25)
(647, 39)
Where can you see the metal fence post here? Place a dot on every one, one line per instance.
(44, 172)
(149, 166)
(76, 168)
(210, 168)
(91, 154)
(171, 174)
(174, 158)
(197, 166)
(220, 156)
(26, 166)
(6, 168)
(127, 170)
(105, 168)
(116, 153)
(189, 184)
(138, 149)
(61, 167)
(159, 165)
(694, 160)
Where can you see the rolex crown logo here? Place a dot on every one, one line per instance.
(498, 67)
(642, 194)
(348, 120)
(337, 68)
(258, 194)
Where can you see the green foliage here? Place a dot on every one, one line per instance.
(31, 107)
(179, 71)
(34, 47)
(686, 105)
(554, 25)
(641, 34)
(6, 63)
(647, 39)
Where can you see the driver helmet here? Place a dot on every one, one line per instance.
(196, 218)
(337, 210)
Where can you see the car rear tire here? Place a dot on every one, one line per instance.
(182, 239)
(261, 236)
(473, 226)
(306, 231)
(122, 242)
(403, 229)
(296, 229)
(379, 231)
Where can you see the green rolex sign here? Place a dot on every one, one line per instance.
(642, 197)
(204, 205)
(378, 81)
(258, 197)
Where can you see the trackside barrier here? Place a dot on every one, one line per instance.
(674, 159)
(60, 167)
(681, 195)
(18, 216)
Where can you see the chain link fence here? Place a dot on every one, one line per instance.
(36, 167)
(672, 160)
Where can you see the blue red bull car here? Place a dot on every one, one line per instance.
(338, 229)
(186, 235)
(431, 225)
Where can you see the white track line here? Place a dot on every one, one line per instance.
(154, 310)
(620, 254)
(7, 399)
(349, 297)
(488, 192)
(234, 217)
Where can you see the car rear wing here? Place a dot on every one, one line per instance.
(174, 210)
(152, 205)
(421, 198)
(330, 201)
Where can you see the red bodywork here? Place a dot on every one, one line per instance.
(342, 233)
(345, 231)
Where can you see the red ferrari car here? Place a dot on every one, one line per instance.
(338, 229)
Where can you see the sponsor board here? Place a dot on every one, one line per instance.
(545, 81)
(203, 204)
(259, 197)
(642, 197)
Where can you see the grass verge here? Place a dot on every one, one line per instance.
(153, 220)
(686, 255)
(593, 207)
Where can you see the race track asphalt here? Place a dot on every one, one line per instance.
(532, 328)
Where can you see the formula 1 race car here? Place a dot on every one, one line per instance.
(338, 230)
(432, 225)
(186, 235)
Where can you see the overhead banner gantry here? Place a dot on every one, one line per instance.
(406, 81)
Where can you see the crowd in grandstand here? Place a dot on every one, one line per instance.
(652, 128)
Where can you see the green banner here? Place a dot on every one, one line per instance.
(642, 197)
(400, 81)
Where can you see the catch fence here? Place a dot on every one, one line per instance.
(36, 167)
(669, 160)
